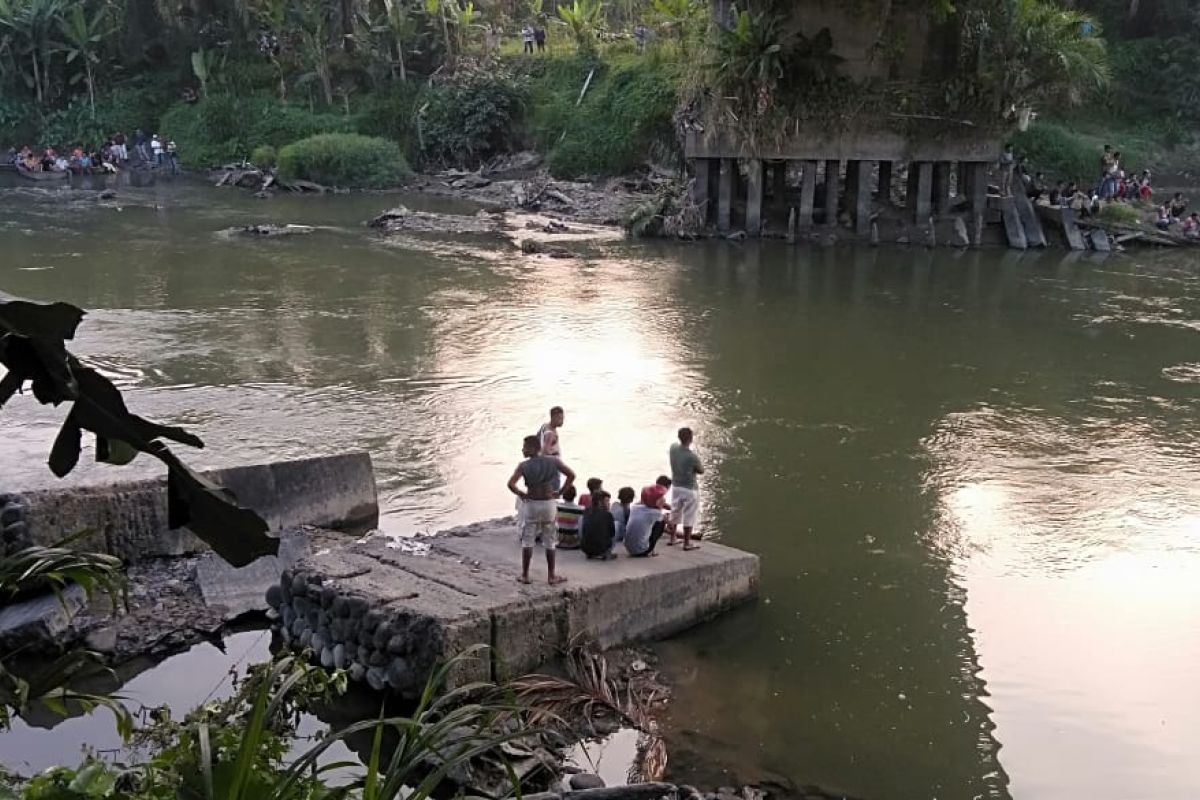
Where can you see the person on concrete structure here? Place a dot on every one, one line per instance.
(540, 507)
(599, 528)
(685, 494)
(549, 438)
(1007, 164)
(156, 149)
(569, 520)
(646, 522)
(593, 485)
(620, 511)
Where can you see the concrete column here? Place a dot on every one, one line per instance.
(728, 171)
(808, 188)
(754, 196)
(832, 187)
(853, 170)
(861, 194)
(919, 193)
(941, 187)
(700, 185)
(885, 182)
(975, 178)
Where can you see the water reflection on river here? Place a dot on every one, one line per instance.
(972, 477)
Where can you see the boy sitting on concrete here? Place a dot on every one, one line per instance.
(593, 485)
(569, 520)
(620, 511)
(599, 529)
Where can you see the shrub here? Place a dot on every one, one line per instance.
(625, 117)
(472, 116)
(392, 114)
(263, 156)
(344, 159)
(1121, 213)
(223, 128)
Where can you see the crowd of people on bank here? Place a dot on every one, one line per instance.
(1114, 184)
(551, 512)
(114, 155)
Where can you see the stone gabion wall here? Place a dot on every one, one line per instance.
(14, 527)
(386, 649)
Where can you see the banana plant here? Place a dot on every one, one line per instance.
(82, 39)
(400, 26)
(581, 19)
(463, 18)
(30, 25)
(437, 8)
(206, 66)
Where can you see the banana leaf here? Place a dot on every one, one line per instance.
(33, 350)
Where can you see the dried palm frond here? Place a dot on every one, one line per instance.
(588, 691)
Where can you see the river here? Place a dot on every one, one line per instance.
(973, 478)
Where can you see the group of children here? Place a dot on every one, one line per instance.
(596, 524)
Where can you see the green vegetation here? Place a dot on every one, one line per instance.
(1072, 152)
(264, 156)
(36, 570)
(238, 748)
(225, 127)
(624, 119)
(344, 159)
(1121, 213)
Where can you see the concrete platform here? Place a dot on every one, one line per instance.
(388, 614)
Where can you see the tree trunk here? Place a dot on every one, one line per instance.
(446, 29)
(87, 65)
(400, 55)
(37, 75)
(326, 84)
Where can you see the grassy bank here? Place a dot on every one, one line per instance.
(1068, 147)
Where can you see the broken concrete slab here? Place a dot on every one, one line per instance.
(242, 590)
(41, 621)
(400, 612)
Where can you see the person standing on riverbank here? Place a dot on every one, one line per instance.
(548, 436)
(685, 494)
(527, 36)
(540, 508)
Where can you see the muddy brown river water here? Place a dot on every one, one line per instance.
(973, 478)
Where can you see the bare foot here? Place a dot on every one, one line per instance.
(691, 547)
(523, 579)
(557, 579)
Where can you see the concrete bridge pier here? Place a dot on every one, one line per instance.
(808, 190)
(725, 192)
(833, 177)
(858, 188)
(702, 169)
(754, 196)
(920, 191)
(973, 183)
